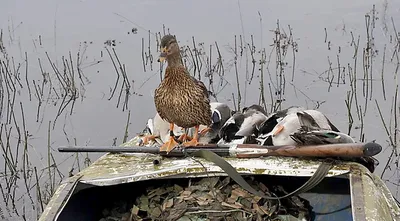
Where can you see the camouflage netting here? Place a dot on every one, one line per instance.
(216, 198)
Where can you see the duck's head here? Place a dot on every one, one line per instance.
(169, 49)
(254, 107)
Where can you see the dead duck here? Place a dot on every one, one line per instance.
(231, 126)
(220, 114)
(274, 118)
(292, 123)
(243, 124)
(180, 99)
(159, 129)
(145, 137)
(310, 133)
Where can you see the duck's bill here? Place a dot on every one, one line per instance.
(279, 129)
(162, 57)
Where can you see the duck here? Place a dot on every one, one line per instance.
(274, 118)
(289, 130)
(145, 137)
(158, 131)
(221, 112)
(180, 99)
(311, 133)
(242, 124)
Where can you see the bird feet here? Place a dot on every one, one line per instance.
(147, 138)
(184, 137)
(193, 142)
(204, 131)
(169, 145)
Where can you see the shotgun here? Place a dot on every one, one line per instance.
(246, 150)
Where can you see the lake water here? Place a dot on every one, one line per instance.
(324, 33)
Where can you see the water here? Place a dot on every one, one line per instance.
(63, 27)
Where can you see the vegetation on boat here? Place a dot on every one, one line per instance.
(216, 198)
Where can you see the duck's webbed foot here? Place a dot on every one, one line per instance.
(184, 137)
(194, 141)
(171, 143)
(148, 138)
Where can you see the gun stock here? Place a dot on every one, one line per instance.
(326, 150)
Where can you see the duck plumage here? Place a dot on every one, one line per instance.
(243, 124)
(311, 133)
(252, 119)
(161, 128)
(295, 121)
(220, 114)
(180, 99)
(274, 118)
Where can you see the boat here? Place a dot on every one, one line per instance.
(348, 192)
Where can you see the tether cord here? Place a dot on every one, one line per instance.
(314, 180)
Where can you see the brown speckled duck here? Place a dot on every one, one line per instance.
(180, 98)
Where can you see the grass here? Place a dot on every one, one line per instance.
(232, 71)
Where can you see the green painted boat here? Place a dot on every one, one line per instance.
(348, 192)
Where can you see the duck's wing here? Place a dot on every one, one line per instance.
(310, 138)
(322, 120)
(231, 126)
(268, 125)
(201, 85)
(274, 118)
(287, 111)
(254, 107)
(150, 126)
(320, 137)
(160, 126)
(251, 121)
(307, 122)
(332, 126)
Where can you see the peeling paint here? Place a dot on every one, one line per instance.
(112, 169)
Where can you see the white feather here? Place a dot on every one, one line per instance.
(319, 118)
(290, 125)
(150, 125)
(250, 123)
(161, 128)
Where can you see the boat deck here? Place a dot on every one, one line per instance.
(120, 175)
